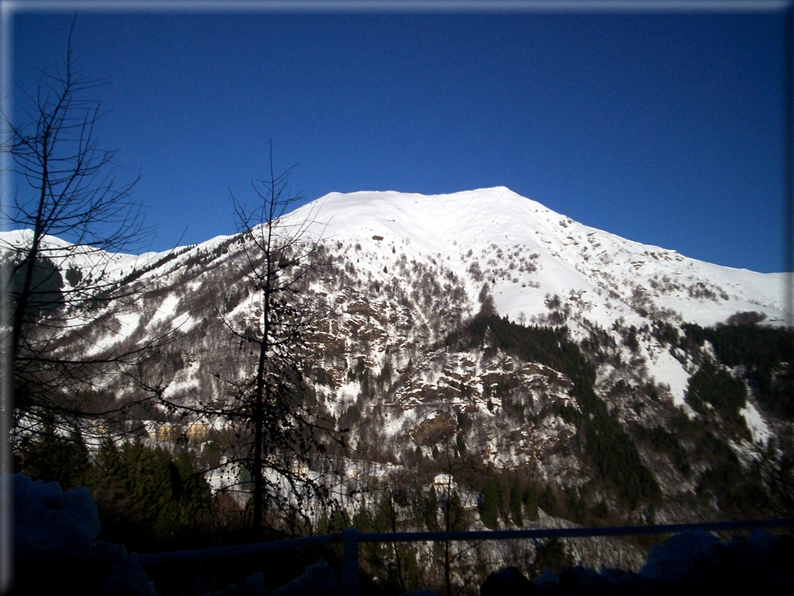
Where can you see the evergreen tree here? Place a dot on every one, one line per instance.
(530, 499)
(52, 457)
(516, 504)
(710, 385)
(491, 503)
(147, 499)
(547, 500)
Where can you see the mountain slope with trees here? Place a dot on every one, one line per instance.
(474, 348)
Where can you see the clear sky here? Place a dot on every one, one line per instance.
(662, 127)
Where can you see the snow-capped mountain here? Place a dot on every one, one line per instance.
(586, 343)
(526, 251)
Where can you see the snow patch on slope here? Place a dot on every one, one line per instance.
(759, 429)
(663, 367)
(127, 324)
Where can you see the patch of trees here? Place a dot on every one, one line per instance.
(738, 490)
(400, 505)
(630, 338)
(492, 503)
(617, 461)
(610, 450)
(776, 467)
(598, 345)
(138, 272)
(45, 294)
(744, 318)
(663, 440)
(511, 498)
(735, 489)
(765, 353)
(665, 333)
(547, 345)
(148, 499)
(723, 392)
(397, 562)
(350, 418)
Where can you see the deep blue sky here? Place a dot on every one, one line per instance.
(662, 128)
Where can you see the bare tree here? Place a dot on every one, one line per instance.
(453, 515)
(273, 403)
(73, 214)
(71, 192)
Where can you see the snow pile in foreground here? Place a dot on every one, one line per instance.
(693, 562)
(56, 546)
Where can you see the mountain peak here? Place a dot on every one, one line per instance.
(526, 252)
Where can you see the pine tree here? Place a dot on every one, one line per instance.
(51, 457)
(147, 499)
(516, 504)
(530, 499)
(491, 503)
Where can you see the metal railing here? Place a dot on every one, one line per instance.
(351, 538)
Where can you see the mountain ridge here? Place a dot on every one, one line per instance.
(476, 327)
(547, 231)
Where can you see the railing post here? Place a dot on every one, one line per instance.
(350, 562)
